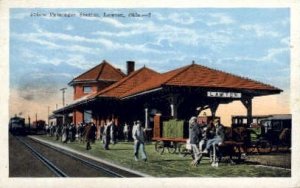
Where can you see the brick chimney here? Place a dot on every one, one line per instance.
(130, 67)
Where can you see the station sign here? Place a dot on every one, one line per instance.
(224, 94)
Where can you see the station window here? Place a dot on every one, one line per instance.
(87, 116)
(87, 89)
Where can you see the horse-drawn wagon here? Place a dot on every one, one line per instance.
(265, 134)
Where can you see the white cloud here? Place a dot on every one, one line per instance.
(284, 22)
(167, 63)
(184, 35)
(48, 39)
(73, 59)
(78, 61)
(273, 52)
(260, 30)
(271, 56)
(286, 41)
(32, 57)
(69, 28)
(39, 38)
(39, 75)
(219, 19)
(111, 21)
(178, 18)
(173, 34)
(211, 19)
(119, 34)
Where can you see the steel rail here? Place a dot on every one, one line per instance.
(58, 172)
(87, 163)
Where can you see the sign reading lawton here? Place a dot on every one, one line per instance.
(224, 94)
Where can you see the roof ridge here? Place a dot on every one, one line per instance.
(101, 67)
(109, 88)
(235, 75)
(118, 70)
(99, 73)
(181, 71)
(100, 64)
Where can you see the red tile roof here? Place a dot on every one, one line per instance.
(103, 71)
(199, 76)
(128, 83)
(145, 79)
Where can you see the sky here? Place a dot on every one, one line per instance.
(47, 51)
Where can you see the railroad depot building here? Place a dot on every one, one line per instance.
(105, 92)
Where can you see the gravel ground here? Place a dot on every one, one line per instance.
(276, 159)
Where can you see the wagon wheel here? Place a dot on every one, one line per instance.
(253, 148)
(182, 150)
(172, 147)
(264, 146)
(237, 153)
(159, 147)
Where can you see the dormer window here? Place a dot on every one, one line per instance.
(87, 89)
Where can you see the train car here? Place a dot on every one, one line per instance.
(17, 125)
(38, 127)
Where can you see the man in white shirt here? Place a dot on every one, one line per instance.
(138, 135)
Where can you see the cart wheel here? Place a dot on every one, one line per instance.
(179, 148)
(264, 146)
(172, 147)
(159, 147)
(182, 150)
(253, 149)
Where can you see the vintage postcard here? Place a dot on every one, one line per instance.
(182, 94)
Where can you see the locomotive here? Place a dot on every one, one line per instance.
(17, 125)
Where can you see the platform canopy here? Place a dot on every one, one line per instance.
(179, 91)
(196, 76)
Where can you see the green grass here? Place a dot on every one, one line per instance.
(170, 165)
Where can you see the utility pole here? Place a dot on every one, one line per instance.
(36, 122)
(29, 122)
(63, 101)
(63, 95)
(48, 114)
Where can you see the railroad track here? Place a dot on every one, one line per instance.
(106, 170)
(58, 172)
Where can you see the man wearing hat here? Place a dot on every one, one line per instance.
(218, 137)
(138, 135)
(195, 137)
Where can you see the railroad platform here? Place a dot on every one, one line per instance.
(167, 164)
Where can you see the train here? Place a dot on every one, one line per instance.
(17, 125)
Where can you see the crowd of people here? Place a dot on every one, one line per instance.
(203, 136)
(108, 134)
